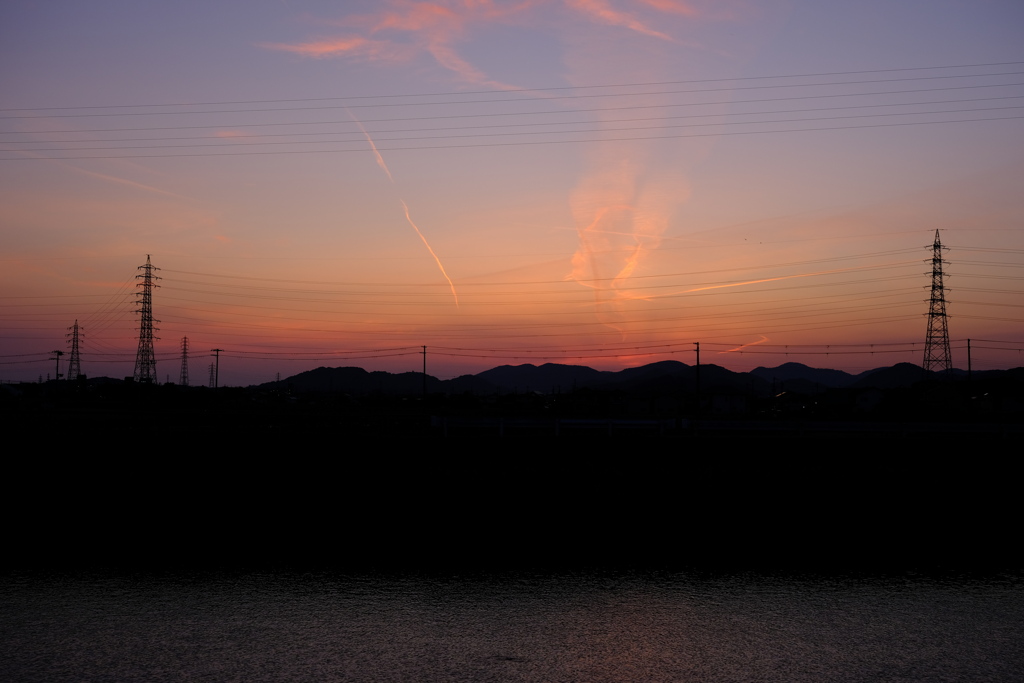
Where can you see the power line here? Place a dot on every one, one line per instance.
(547, 112)
(357, 135)
(460, 136)
(520, 143)
(531, 90)
(803, 262)
(502, 100)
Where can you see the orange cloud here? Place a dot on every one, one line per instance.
(355, 46)
(620, 214)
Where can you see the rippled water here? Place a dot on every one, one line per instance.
(513, 627)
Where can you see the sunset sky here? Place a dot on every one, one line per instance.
(596, 182)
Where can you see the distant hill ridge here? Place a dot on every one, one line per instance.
(552, 378)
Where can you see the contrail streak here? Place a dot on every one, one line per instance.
(767, 279)
(752, 282)
(762, 340)
(427, 245)
(113, 179)
(651, 297)
(384, 167)
(380, 159)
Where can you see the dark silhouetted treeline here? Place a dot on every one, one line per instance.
(921, 478)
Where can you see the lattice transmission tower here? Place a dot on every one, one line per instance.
(183, 380)
(936, 342)
(75, 364)
(145, 358)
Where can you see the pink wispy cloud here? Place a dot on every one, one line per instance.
(406, 29)
(673, 7)
(602, 11)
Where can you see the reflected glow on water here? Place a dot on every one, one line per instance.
(514, 627)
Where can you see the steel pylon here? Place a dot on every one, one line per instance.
(936, 343)
(75, 364)
(145, 358)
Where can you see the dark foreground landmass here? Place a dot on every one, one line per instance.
(110, 475)
(621, 503)
(669, 398)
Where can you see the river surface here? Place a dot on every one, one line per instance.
(588, 626)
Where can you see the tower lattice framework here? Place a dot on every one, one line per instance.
(75, 364)
(145, 358)
(936, 343)
(183, 379)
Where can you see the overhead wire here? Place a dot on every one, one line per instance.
(348, 122)
(522, 142)
(603, 129)
(502, 100)
(532, 90)
(487, 136)
(379, 132)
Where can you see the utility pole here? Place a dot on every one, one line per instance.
(216, 371)
(145, 358)
(75, 364)
(183, 378)
(697, 345)
(58, 353)
(424, 372)
(968, 360)
(936, 343)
